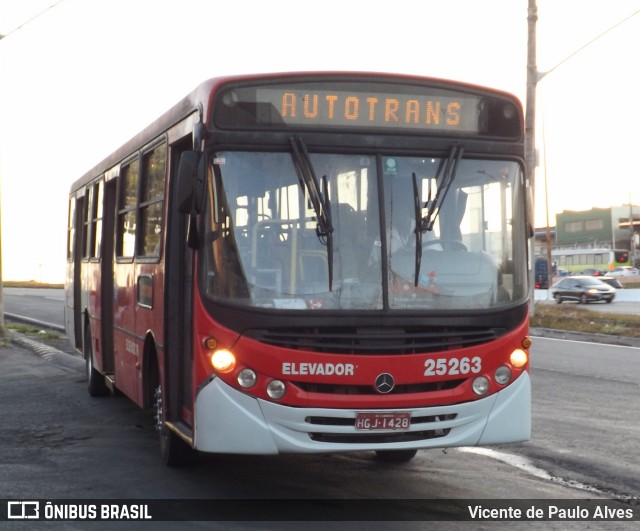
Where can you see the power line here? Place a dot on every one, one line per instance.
(40, 13)
(540, 75)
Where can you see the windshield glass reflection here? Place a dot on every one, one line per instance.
(266, 239)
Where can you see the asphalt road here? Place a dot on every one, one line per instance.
(46, 304)
(586, 419)
(56, 442)
(626, 301)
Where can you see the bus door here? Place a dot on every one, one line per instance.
(106, 274)
(74, 277)
(179, 286)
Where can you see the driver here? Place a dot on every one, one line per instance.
(401, 236)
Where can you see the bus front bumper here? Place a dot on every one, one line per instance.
(228, 421)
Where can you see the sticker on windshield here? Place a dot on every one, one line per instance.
(390, 167)
(290, 304)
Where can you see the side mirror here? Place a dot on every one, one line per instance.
(191, 179)
(530, 214)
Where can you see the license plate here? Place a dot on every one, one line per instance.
(383, 421)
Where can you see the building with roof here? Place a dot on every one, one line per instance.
(616, 227)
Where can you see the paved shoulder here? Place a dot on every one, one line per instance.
(46, 352)
(588, 338)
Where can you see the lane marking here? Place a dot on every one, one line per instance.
(537, 338)
(525, 465)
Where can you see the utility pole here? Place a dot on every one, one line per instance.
(532, 81)
(1, 286)
(530, 130)
(533, 77)
(632, 234)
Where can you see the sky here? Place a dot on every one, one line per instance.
(78, 78)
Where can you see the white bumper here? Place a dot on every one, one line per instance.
(228, 421)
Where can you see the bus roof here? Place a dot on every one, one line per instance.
(200, 101)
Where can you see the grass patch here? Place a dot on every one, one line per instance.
(29, 284)
(33, 331)
(575, 319)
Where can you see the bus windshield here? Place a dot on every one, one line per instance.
(363, 232)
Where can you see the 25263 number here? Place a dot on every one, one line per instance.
(452, 366)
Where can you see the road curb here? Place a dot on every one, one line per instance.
(553, 333)
(45, 351)
(34, 322)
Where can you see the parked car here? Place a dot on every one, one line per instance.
(582, 289)
(593, 272)
(624, 271)
(612, 281)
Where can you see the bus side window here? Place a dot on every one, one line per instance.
(71, 231)
(127, 206)
(95, 242)
(86, 216)
(152, 201)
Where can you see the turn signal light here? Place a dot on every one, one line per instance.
(210, 343)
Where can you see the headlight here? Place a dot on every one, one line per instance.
(223, 361)
(519, 358)
(276, 389)
(503, 375)
(247, 378)
(480, 385)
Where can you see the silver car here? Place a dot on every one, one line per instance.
(582, 289)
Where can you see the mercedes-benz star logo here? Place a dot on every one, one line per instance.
(385, 383)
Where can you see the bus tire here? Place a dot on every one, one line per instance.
(395, 456)
(96, 384)
(174, 451)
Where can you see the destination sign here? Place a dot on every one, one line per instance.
(373, 109)
(369, 106)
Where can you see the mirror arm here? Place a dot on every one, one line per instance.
(199, 134)
(192, 231)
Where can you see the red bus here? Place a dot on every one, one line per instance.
(311, 262)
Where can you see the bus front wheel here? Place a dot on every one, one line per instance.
(174, 451)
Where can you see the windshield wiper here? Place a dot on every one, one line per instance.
(417, 204)
(319, 198)
(444, 178)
